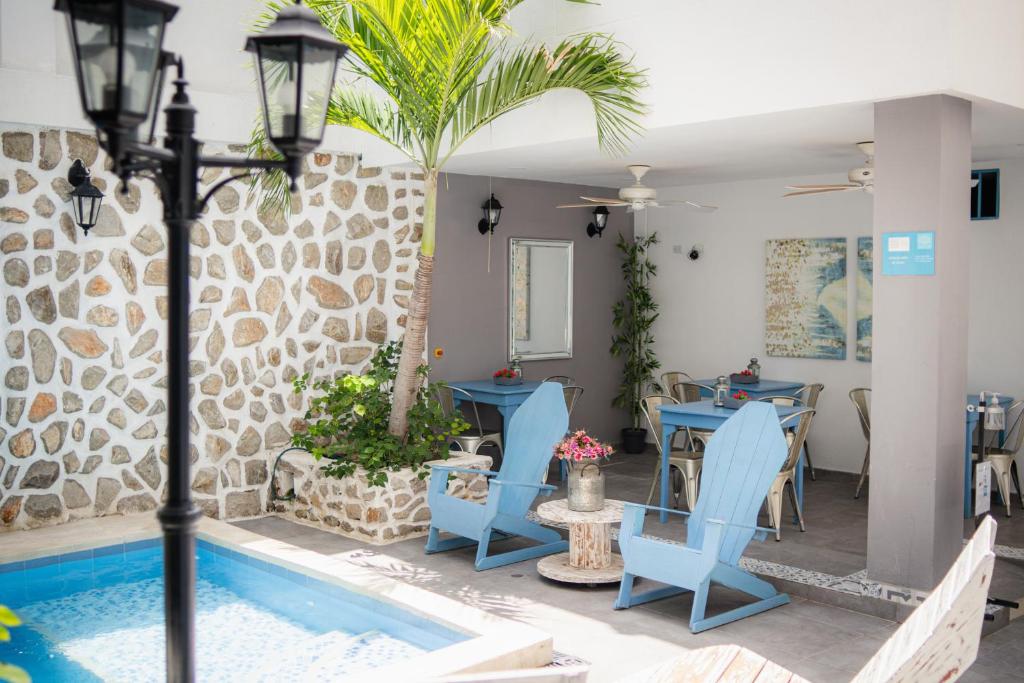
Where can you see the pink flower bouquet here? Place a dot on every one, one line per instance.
(579, 449)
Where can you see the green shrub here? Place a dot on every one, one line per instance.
(9, 672)
(347, 422)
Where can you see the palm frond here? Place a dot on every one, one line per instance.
(592, 64)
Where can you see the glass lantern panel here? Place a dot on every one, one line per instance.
(93, 203)
(317, 84)
(142, 40)
(95, 33)
(279, 73)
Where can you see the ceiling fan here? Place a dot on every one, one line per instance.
(861, 179)
(638, 196)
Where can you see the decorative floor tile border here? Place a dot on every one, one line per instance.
(856, 584)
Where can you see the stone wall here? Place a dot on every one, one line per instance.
(83, 413)
(377, 514)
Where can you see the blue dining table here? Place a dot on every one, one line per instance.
(758, 390)
(971, 411)
(506, 398)
(705, 415)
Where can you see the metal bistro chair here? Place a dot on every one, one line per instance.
(689, 392)
(806, 396)
(787, 475)
(861, 398)
(470, 443)
(670, 379)
(688, 462)
(564, 380)
(1007, 458)
(571, 393)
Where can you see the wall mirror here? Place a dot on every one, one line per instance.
(540, 299)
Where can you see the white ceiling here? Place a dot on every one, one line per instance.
(802, 142)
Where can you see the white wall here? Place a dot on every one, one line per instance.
(995, 336)
(712, 311)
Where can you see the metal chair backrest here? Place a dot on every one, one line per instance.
(446, 397)
(740, 464)
(689, 392)
(1014, 438)
(803, 425)
(809, 393)
(861, 401)
(781, 400)
(564, 380)
(649, 406)
(571, 393)
(534, 430)
(670, 379)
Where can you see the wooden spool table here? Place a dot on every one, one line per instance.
(590, 559)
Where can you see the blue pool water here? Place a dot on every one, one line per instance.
(97, 615)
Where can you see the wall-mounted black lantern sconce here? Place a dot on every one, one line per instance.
(600, 221)
(492, 214)
(86, 198)
(119, 62)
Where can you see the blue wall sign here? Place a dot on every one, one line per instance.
(908, 253)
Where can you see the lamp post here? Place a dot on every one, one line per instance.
(119, 61)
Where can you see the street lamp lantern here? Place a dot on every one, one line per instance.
(86, 198)
(296, 58)
(117, 46)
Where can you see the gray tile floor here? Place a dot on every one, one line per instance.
(821, 643)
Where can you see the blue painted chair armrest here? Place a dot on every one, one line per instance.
(540, 487)
(465, 470)
(659, 509)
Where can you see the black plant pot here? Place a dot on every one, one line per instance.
(634, 440)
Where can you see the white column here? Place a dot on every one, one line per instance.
(919, 359)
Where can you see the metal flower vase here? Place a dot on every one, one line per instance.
(586, 488)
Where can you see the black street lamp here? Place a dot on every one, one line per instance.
(118, 59)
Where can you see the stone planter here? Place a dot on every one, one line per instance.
(375, 514)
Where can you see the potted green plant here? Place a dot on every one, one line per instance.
(633, 318)
(347, 422)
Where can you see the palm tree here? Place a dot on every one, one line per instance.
(442, 70)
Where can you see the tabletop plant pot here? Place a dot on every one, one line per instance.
(586, 488)
(634, 440)
(508, 381)
(738, 378)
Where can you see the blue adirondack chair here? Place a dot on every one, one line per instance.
(740, 463)
(537, 425)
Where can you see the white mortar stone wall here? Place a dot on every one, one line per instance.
(376, 514)
(83, 402)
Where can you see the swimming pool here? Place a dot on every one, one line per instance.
(97, 615)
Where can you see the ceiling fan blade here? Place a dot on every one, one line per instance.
(693, 206)
(603, 200)
(821, 187)
(575, 206)
(827, 189)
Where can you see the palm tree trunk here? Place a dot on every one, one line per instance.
(407, 381)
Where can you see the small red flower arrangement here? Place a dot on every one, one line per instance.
(505, 373)
(742, 395)
(746, 373)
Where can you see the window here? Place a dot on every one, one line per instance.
(985, 194)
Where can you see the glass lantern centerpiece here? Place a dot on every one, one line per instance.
(721, 390)
(755, 369)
